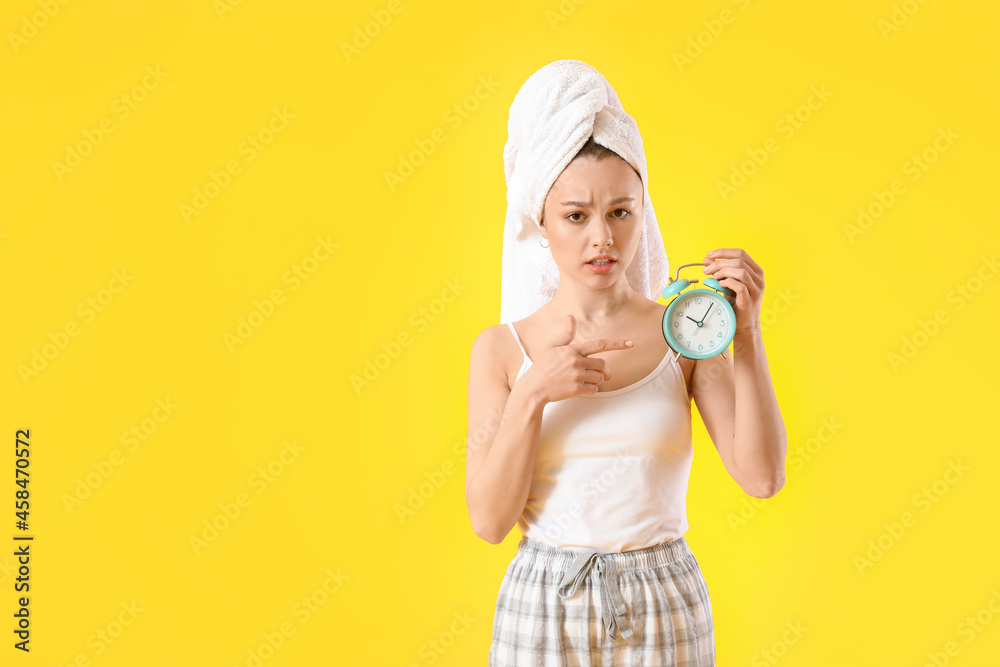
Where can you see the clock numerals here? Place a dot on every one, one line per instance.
(700, 325)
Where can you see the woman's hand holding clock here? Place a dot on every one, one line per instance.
(735, 269)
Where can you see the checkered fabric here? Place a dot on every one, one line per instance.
(561, 607)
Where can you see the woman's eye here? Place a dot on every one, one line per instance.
(626, 213)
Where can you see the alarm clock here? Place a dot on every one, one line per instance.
(699, 323)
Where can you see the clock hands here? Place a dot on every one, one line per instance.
(700, 322)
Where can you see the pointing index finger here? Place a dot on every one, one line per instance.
(603, 345)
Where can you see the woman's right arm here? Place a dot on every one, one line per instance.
(504, 424)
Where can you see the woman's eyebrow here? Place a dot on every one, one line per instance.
(613, 201)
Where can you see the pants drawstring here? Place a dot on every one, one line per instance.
(612, 604)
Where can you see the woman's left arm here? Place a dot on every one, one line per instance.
(735, 396)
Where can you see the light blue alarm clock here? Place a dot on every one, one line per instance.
(699, 323)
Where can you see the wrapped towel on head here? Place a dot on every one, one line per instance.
(553, 114)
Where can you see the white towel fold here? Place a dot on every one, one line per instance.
(553, 114)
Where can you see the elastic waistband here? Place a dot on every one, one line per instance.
(636, 559)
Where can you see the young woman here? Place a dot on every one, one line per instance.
(580, 433)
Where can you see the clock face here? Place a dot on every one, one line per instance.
(699, 323)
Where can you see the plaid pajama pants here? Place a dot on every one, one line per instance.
(562, 607)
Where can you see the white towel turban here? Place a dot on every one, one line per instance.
(553, 114)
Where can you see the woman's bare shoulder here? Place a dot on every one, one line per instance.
(494, 349)
(492, 336)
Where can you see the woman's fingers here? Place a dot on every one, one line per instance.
(734, 268)
(595, 377)
(597, 365)
(603, 345)
(734, 253)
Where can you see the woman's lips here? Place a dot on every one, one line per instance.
(602, 268)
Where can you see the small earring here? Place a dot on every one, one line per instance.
(540, 242)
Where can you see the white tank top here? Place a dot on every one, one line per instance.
(611, 470)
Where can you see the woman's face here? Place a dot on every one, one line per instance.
(594, 208)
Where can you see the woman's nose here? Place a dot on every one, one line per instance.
(602, 235)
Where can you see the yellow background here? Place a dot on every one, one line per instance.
(897, 73)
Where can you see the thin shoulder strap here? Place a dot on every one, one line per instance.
(517, 338)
